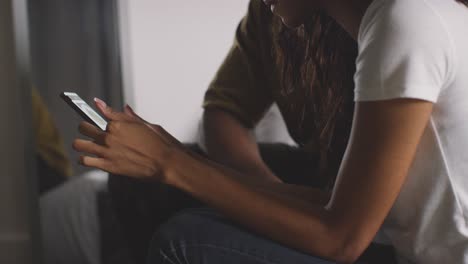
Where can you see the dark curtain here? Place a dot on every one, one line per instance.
(75, 47)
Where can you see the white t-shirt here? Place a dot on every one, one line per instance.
(419, 49)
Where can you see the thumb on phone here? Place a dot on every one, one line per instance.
(109, 112)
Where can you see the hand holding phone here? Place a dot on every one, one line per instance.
(84, 110)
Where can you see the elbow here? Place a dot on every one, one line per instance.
(348, 253)
(344, 246)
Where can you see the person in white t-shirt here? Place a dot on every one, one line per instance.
(403, 170)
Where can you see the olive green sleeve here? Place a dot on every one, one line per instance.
(243, 85)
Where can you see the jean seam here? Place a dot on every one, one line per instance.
(237, 251)
(166, 258)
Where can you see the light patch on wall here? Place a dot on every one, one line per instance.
(173, 49)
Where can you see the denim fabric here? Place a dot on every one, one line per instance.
(202, 236)
(142, 208)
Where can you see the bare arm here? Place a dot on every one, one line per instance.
(384, 139)
(383, 142)
(228, 142)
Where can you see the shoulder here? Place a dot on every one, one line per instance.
(404, 51)
(408, 19)
(406, 27)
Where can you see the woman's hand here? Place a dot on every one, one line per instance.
(157, 128)
(130, 146)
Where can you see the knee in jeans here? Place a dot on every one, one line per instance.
(165, 245)
(171, 239)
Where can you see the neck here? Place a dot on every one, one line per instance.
(348, 13)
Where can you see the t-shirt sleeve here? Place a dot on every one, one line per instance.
(402, 55)
(242, 86)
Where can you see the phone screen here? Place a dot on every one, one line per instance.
(84, 109)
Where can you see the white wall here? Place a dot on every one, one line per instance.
(171, 50)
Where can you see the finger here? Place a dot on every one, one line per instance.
(109, 112)
(137, 157)
(127, 111)
(165, 135)
(90, 147)
(89, 130)
(96, 162)
(116, 127)
(169, 138)
(130, 112)
(113, 167)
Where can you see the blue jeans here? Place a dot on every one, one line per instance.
(202, 236)
(142, 209)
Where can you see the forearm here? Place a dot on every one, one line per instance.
(285, 218)
(305, 193)
(229, 143)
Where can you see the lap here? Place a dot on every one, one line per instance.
(141, 206)
(202, 236)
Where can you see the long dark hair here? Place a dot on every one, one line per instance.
(316, 63)
(465, 2)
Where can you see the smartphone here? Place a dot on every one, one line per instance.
(84, 110)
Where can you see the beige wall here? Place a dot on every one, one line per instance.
(171, 50)
(16, 245)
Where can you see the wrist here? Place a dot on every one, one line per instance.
(177, 163)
